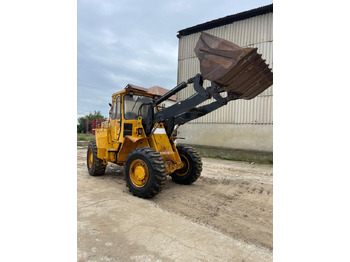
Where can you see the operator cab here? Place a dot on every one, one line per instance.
(132, 105)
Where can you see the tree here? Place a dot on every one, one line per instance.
(82, 120)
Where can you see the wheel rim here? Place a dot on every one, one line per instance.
(90, 158)
(184, 170)
(138, 173)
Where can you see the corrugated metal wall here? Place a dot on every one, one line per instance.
(253, 32)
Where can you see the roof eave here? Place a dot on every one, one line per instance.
(225, 20)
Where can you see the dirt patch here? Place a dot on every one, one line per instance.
(231, 197)
(226, 215)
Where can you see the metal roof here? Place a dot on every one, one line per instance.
(154, 90)
(226, 20)
(160, 91)
(139, 88)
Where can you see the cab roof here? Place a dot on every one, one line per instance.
(136, 89)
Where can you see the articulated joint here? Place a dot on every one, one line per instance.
(215, 91)
(198, 86)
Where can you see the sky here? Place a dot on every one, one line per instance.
(122, 42)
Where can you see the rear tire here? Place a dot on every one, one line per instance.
(192, 166)
(145, 172)
(94, 164)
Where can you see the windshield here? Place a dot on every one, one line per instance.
(132, 104)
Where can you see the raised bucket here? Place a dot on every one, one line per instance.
(238, 70)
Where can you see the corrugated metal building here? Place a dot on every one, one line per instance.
(243, 128)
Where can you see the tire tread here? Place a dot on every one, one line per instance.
(156, 169)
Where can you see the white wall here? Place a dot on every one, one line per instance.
(242, 124)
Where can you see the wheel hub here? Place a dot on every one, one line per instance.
(138, 173)
(185, 168)
(90, 158)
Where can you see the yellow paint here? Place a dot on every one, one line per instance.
(163, 145)
(138, 173)
(90, 159)
(127, 146)
(186, 167)
(114, 147)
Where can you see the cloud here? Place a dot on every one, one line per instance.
(121, 42)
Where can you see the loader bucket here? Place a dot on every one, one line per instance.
(238, 70)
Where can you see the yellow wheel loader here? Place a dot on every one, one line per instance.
(140, 135)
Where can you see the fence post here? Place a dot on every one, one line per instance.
(93, 126)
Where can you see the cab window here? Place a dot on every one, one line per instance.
(115, 110)
(118, 108)
(112, 111)
(132, 104)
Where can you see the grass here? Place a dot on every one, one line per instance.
(85, 137)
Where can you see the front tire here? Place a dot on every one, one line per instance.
(145, 172)
(192, 168)
(95, 165)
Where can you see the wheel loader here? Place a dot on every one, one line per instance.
(140, 134)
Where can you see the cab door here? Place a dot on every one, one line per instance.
(115, 119)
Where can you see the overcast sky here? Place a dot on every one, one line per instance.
(121, 42)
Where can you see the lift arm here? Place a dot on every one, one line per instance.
(186, 110)
(240, 72)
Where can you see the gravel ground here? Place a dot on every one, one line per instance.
(226, 215)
